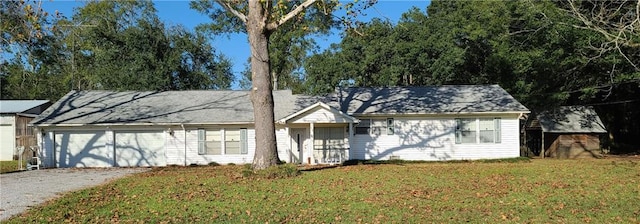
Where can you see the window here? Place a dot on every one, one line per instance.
(328, 138)
(363, 127)
(375, 127)
(232, 141)
(378, 127)
(210, 142)
(390, 126)
(486, 130)
(478, 130)
(466, 131)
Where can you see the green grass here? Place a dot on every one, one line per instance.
(538, 191)
(11, 166)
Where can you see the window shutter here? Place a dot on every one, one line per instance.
(498, 133)
(244, 146)
(202, 149)
(458, 132)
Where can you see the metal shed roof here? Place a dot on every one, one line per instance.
(19, 106)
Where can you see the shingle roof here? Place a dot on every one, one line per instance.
(220, 107)
(170, 107)
(19, 106)
(571, 119)
(452, 99)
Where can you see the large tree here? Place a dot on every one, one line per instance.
(261, 19)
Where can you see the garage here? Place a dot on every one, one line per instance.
(82, 149)
(140, 148)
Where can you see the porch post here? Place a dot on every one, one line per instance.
(286, 129)
(542, 146)
(311, 137)
(350, 138)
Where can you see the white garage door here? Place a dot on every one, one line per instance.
(140, 148)
(7, 141)
(82, 149)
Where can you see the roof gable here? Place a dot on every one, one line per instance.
(425, 100)
(318, 113)
(571, 119)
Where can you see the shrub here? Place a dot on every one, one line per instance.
(352, 162)
(214, 164)
(231, 164)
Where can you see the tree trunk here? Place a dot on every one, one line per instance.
(266, 153)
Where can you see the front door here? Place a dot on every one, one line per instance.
(298, 136)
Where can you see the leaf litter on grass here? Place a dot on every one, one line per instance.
(537, 191)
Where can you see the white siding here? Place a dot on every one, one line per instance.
(319, 115)
(283, 140)
(7, 119)
(7, 137)
(433, 139)
(176, 150)
(46, 150)
(175, 146)
(508, 148)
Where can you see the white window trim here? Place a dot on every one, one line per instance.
(244, 148)
(497, 131)
(368, 127)
(391, 126)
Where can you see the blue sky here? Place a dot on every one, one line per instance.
(236, 46)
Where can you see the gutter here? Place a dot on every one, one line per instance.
(136, 124)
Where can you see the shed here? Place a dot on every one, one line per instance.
(566, 132)
(15, 116)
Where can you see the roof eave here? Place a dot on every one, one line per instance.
(140, 124)
(441, 113)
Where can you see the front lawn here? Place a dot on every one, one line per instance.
(11, 166)
(540, 191)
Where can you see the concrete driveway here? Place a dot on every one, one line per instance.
(21, 190)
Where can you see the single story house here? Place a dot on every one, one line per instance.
(566, 132)
(106, 128)
(15, 116)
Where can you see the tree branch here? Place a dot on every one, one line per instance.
(227, 6)
(274, 25)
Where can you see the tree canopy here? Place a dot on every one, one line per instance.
(528, 47)
(117, 46)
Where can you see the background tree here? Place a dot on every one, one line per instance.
(116, 46)
(618, 22)
(22, 26)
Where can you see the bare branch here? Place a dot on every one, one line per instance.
(274, 25)
(615, 21)
(228, 7)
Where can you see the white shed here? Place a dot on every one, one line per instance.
(14, 131)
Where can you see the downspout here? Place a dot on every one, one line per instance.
(185, 144)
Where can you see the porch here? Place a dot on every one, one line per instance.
(318, 134)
